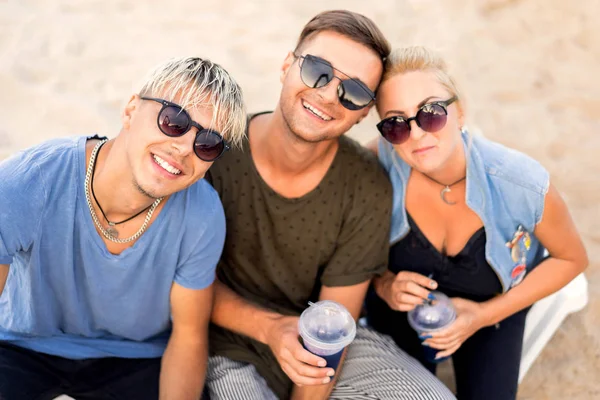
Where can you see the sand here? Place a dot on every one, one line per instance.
(529, 69)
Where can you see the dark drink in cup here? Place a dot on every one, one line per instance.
(333, 360)
(432, 316)
(326, 328)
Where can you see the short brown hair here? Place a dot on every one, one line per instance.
(350, 24)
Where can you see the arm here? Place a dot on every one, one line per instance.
(352, 298)
(568, 258)
(183, 366)
(3, 276)
(236, 314)
(277, 331)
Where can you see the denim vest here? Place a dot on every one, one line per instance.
(505, 188)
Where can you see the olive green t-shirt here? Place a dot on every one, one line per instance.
(279, 251)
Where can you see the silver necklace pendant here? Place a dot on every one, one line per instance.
(445, 190)
(112, 231)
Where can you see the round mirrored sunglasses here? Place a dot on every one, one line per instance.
(174, 121)
(431, 117)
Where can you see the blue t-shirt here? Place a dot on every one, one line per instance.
(68, 296)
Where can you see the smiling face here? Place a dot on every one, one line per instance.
(316, 114)
(160, 165)
(402, 95)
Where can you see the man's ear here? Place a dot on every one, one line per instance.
(129, 110)
(287, 64)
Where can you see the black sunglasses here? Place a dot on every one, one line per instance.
(431, 117)
(174, 121)
(316, 72)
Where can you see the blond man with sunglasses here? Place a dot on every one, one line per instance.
(108, 247)
(308, 213)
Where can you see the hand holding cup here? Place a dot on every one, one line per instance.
(405, 290)
(300, 365)
(327, 328)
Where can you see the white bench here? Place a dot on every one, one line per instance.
(545, 317)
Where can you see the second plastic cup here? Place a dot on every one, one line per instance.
(432, 316)
(326, 328)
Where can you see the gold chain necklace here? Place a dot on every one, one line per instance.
(106, 233)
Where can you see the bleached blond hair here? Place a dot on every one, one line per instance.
(419, 58)
(197, 82)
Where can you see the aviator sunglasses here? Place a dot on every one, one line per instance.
(174, 121)
(431, 117)
(316, 73)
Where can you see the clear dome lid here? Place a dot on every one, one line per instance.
(433, 315)
(328, 323)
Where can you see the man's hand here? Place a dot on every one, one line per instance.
(405, 290)
(470, 317)
(300, 365)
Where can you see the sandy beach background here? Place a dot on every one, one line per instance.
(529, 69)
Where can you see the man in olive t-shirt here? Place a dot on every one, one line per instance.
(308, 214)
(279, 251)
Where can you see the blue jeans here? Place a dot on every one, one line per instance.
(26, 374)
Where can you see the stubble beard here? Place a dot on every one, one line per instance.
(143, 191)
(287, 111)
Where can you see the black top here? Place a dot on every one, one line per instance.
(467, 274)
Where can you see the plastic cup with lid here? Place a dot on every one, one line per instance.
(434, 315)
(326, 328)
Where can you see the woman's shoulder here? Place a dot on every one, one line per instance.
(509, 166)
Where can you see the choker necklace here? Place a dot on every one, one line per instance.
(446, 188)
(111, 233)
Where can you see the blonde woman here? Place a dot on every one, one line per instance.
(472, 219)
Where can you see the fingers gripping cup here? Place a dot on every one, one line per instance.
(432, 316)
(327, 328)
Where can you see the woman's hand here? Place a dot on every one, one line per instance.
(405, 290)
(470, 317)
